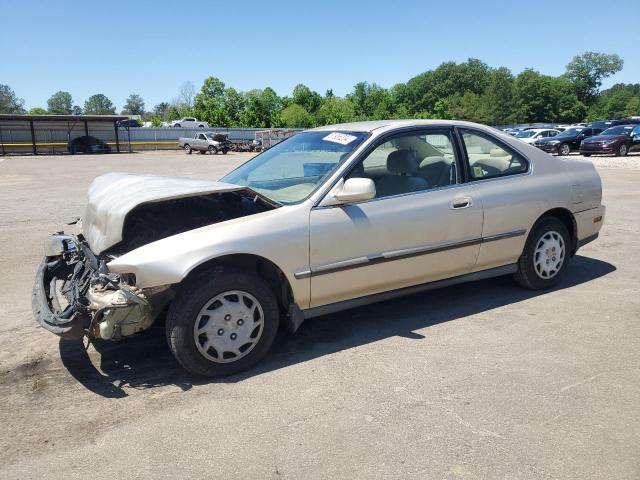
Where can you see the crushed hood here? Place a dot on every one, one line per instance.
(112, 196)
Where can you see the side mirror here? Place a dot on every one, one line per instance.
(351, 190)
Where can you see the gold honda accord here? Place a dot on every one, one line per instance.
(329, 219)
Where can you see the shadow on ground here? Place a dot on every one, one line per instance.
(145, 361)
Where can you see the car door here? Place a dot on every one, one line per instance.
(587, 132)
(509, 195)
(202, 141)
(423, 225)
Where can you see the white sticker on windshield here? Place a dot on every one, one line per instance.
(341, 138)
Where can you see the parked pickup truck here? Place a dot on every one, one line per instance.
(206, 142)
(189, 122)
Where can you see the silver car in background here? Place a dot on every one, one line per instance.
(329, 219)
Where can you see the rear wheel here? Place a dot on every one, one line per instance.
(222, 322)
(564, 149)
(586, 154)
(187, 149)
(545, 255)
(622, 151)
(177, 125)
(202, 152)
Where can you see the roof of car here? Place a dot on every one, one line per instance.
(371, 125)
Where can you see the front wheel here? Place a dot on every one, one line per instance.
(545, 255)
(564, 149)
(187, 149)
(622, 151)
(222, 322)
(212, 150)
(586, 154)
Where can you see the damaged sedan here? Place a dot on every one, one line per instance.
(329, 219)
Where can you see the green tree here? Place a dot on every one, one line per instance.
(371, 101)
(424, 90)
(37, 111)
(9, 102)
(99, 104)
(498, 97)
(335, 110)
(60, 103)
(76, 110)
(134, 105)
(633, 107)
(295, 116)
(616, 102)
(232, 106)
(156, 121)
(587, 71)
(208, 103)
(160, 110)
(310, 100)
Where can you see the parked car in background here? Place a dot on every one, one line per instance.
(206, 142)
(567, 141)
(87, 144)
(326, 220)
(604, 124)
(616, 140)
(533, 134)
(189, 122)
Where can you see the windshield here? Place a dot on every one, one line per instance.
(621, 130)
(572, 132)
(525, 134)
(291, 170)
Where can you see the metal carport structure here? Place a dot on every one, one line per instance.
(66, 122)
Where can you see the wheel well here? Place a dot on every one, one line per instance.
(267, 270)
(566, 217)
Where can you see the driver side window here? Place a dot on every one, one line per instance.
(410, 162)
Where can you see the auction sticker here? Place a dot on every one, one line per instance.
(341, 138)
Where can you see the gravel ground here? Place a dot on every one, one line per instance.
(482, 380)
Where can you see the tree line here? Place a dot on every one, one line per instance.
(469, 90)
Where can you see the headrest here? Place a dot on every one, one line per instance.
(499, 152)
(402, 162)
(433, 160)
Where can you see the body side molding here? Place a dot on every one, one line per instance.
(400, 254)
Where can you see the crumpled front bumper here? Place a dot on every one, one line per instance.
(69, 323)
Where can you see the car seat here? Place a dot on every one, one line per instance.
(402, 166)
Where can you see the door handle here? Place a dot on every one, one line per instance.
(460, 203)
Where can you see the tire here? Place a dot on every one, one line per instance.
(185, 317)
(177, 125)
(564, 149)
(586, 154)
(225, 151)
(200, 126)
(187, 149)
(547, 233)
(202, 152)
(622, 150)
(212, 150)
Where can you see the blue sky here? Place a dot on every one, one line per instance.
(151, 47)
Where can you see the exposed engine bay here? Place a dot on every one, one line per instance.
(153, 221)
(75, 295)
